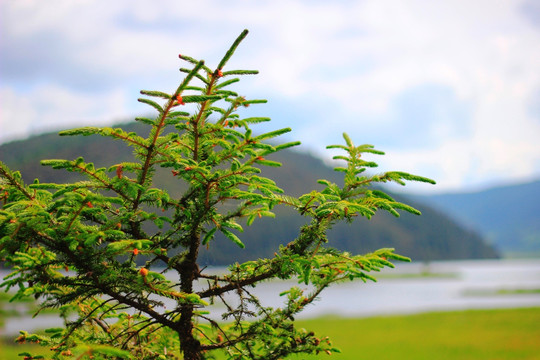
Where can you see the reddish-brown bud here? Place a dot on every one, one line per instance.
(135, 251)
(21, 339)
(143, 272)
(119, 170)
(180, 100)
(89, 204)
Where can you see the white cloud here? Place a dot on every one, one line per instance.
(17, 114)
(51, 108)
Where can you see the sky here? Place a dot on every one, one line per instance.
(448, 89)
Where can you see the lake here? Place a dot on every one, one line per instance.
(446, 285)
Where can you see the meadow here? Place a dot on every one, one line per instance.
(471, 334)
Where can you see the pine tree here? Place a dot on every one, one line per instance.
(77, 246)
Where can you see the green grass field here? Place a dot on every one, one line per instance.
(478, 334)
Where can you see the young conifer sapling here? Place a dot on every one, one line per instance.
(78, 247)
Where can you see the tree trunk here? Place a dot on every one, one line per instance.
(190, 346)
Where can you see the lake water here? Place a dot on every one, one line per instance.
(452, 285)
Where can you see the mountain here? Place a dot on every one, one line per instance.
(428, 237)
(507, 217)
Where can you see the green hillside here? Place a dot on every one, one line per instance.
(508, 217)
(428, 237)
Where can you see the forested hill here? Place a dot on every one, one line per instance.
(507, 216)
(428, 237)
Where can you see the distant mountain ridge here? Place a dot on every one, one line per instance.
(508, 216)
(428, 237)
